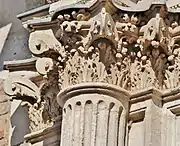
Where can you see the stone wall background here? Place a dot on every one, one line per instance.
(16, 45)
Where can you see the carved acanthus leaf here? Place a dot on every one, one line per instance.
(80, 70)
(172, 74)
(103, 27)
(142, 75)
(156, 33)
(124, 49)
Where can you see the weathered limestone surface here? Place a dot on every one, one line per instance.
(94, 118)
(4, 117)
(108, 73)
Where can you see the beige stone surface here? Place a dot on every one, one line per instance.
(4, 117)
(109, 74)
(91, 118)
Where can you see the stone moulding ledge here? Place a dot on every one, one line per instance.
(90, 88)
(164, 95)
(42, 134)
(55, 9)
(26, 64)
(137, 115)
(170, 96)
(33, 11)
(145, 94)
(113, 90)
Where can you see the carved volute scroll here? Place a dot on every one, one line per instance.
(22, 88)
(40, 110)
(40, 43)
(44, 65)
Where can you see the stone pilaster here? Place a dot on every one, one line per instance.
(153, 122)
(94, 114)
(146, 115)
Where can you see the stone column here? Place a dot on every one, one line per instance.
(94, 114)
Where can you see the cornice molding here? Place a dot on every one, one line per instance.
(44, 134)
(34, 12)
(90, 88)
(17, 65)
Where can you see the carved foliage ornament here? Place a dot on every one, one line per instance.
(124, 49)
(43, 109)
(139, 52)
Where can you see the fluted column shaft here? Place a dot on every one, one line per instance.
(94, 118)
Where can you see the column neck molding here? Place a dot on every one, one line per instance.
(92, 88)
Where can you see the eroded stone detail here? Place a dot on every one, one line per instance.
(142, 51)
(42, 104)
(133, 50)
(45, 116)
(94, 118)
(86, 120)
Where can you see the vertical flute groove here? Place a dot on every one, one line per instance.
(98, 122)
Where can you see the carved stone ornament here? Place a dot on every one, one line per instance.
(118, 44)
(134, 49)
(19, 87)
(124, 49)
(40, 110)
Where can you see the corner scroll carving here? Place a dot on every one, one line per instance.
(43, 109)
(44, 65)
(41, 42)
(22, 88)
